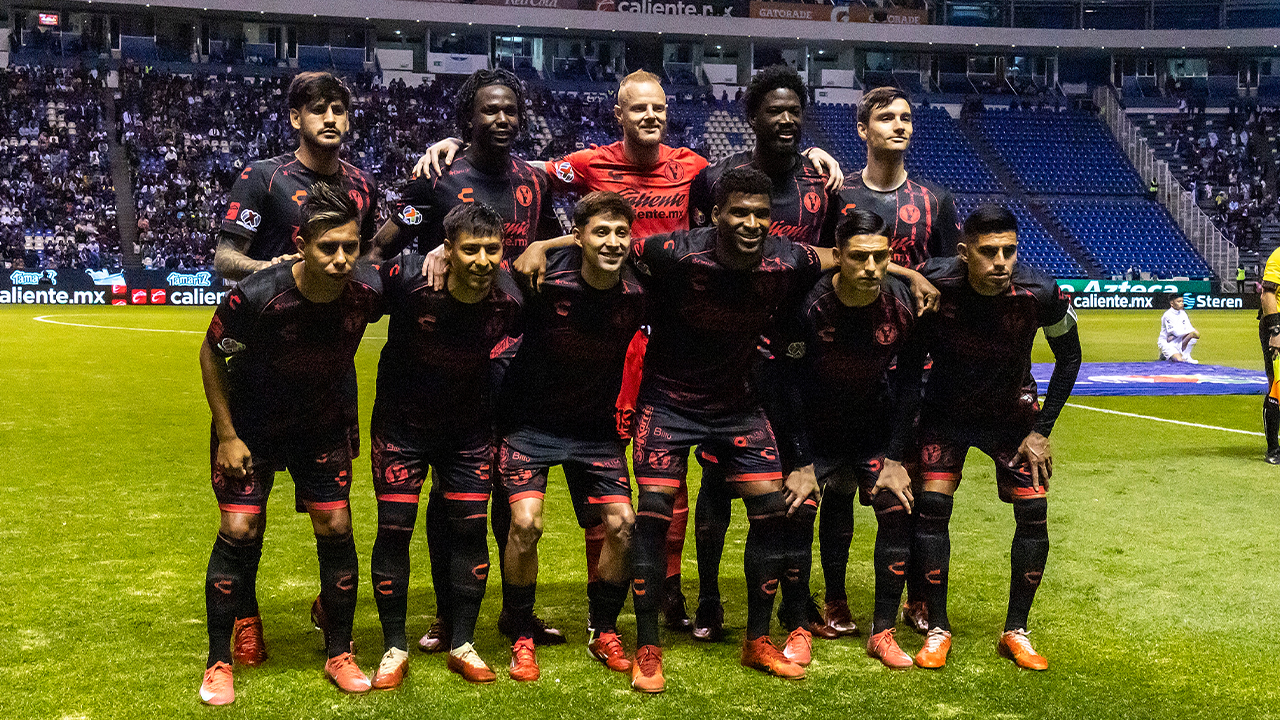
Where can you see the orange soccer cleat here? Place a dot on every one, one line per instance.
(883, 647)
(466, 662)
(936, 646)
(799, 647)
(607, 648)
(646, 671)
(344, 673)
(217, 688)
(1015, 646)
(247, 644)
(524, 662)
(761, 654)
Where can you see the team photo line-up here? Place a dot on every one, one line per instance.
(814, 340)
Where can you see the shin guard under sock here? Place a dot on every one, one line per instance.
(251, 553)
(468, 566)
(517, 601)
(933, 545)
(764, 558)
(892, 556)
(835, 532)
(224, 581)
(389, 567)
(605, 601)
(1027, 558)
(653, 519)
(798, 566)
(710, 525)
(339, 579)
(440, 552)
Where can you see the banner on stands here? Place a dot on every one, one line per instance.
(66, 286)
(840, 13)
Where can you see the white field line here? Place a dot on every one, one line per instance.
(46, 319)
(1165, 420)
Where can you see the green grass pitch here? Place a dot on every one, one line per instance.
(1159, 600)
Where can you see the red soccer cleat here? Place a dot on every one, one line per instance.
(760, 654)
(936, 646)
(607, 648)
(799, 647)
(524, 662)
(1015, 646)
(217, 687)
(883, 647)
(344, 673)
(646, 672)
(466, 662)
(247, 645)
(392, 669)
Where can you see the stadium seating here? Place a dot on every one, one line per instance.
(1036, 245)
(1125, 233)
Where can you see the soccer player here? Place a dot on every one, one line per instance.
(1269, 334)
(275, 362)
(489, 109)
(434, 408)
(922, 223)
(849, 425)
(557, 408)
(259, 230)
(980, 394)
(714, 292)
(1177, 336)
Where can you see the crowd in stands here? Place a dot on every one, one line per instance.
(57, 201)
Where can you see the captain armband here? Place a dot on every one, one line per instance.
(1063, 326)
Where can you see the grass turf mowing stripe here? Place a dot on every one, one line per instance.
(1165, 420)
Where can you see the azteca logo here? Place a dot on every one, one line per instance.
(410, 215)
(249, 220)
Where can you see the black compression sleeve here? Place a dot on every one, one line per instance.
(1067, 357)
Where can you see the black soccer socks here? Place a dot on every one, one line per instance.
(892, 557)
(1271, 423)
(231, 565)
(440, 550)
(653, 519)
(339, 580)
(835, 532)
(764, 557)
(517, 602)
(1027, 557)
(798, 566)
(933, 546)
(711, 520)
(468, 565)
(390, 569)
(605, 601)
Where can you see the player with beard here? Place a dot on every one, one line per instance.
(922, 223)
(434, 408)
(557, 408)
(655, 178)
(489, 109)
(980, 394)
(259, 230)
(274, 364)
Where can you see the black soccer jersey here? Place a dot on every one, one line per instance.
(841, 357)
(520, 194)
(265, 204)
(289, 358)
(434, 373)
(981, 346)
(920, 216)
(801, 206)
(567, 373)
(707, 319)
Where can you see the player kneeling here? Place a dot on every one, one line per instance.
(434, 408)
(274, 363)
(848, 423)
(557, 408)
(980, 394)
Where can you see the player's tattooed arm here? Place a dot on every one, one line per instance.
(386, 243)
(826, 165)
(532, 263)
(926, 294)
(233, 455)
(231, 262)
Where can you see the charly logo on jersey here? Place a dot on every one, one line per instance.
(249, 219)
(524, 195)
(410, 215)
(231, 346)
(795, 350)
(564, 171)
(909, 214)
(812, 202)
